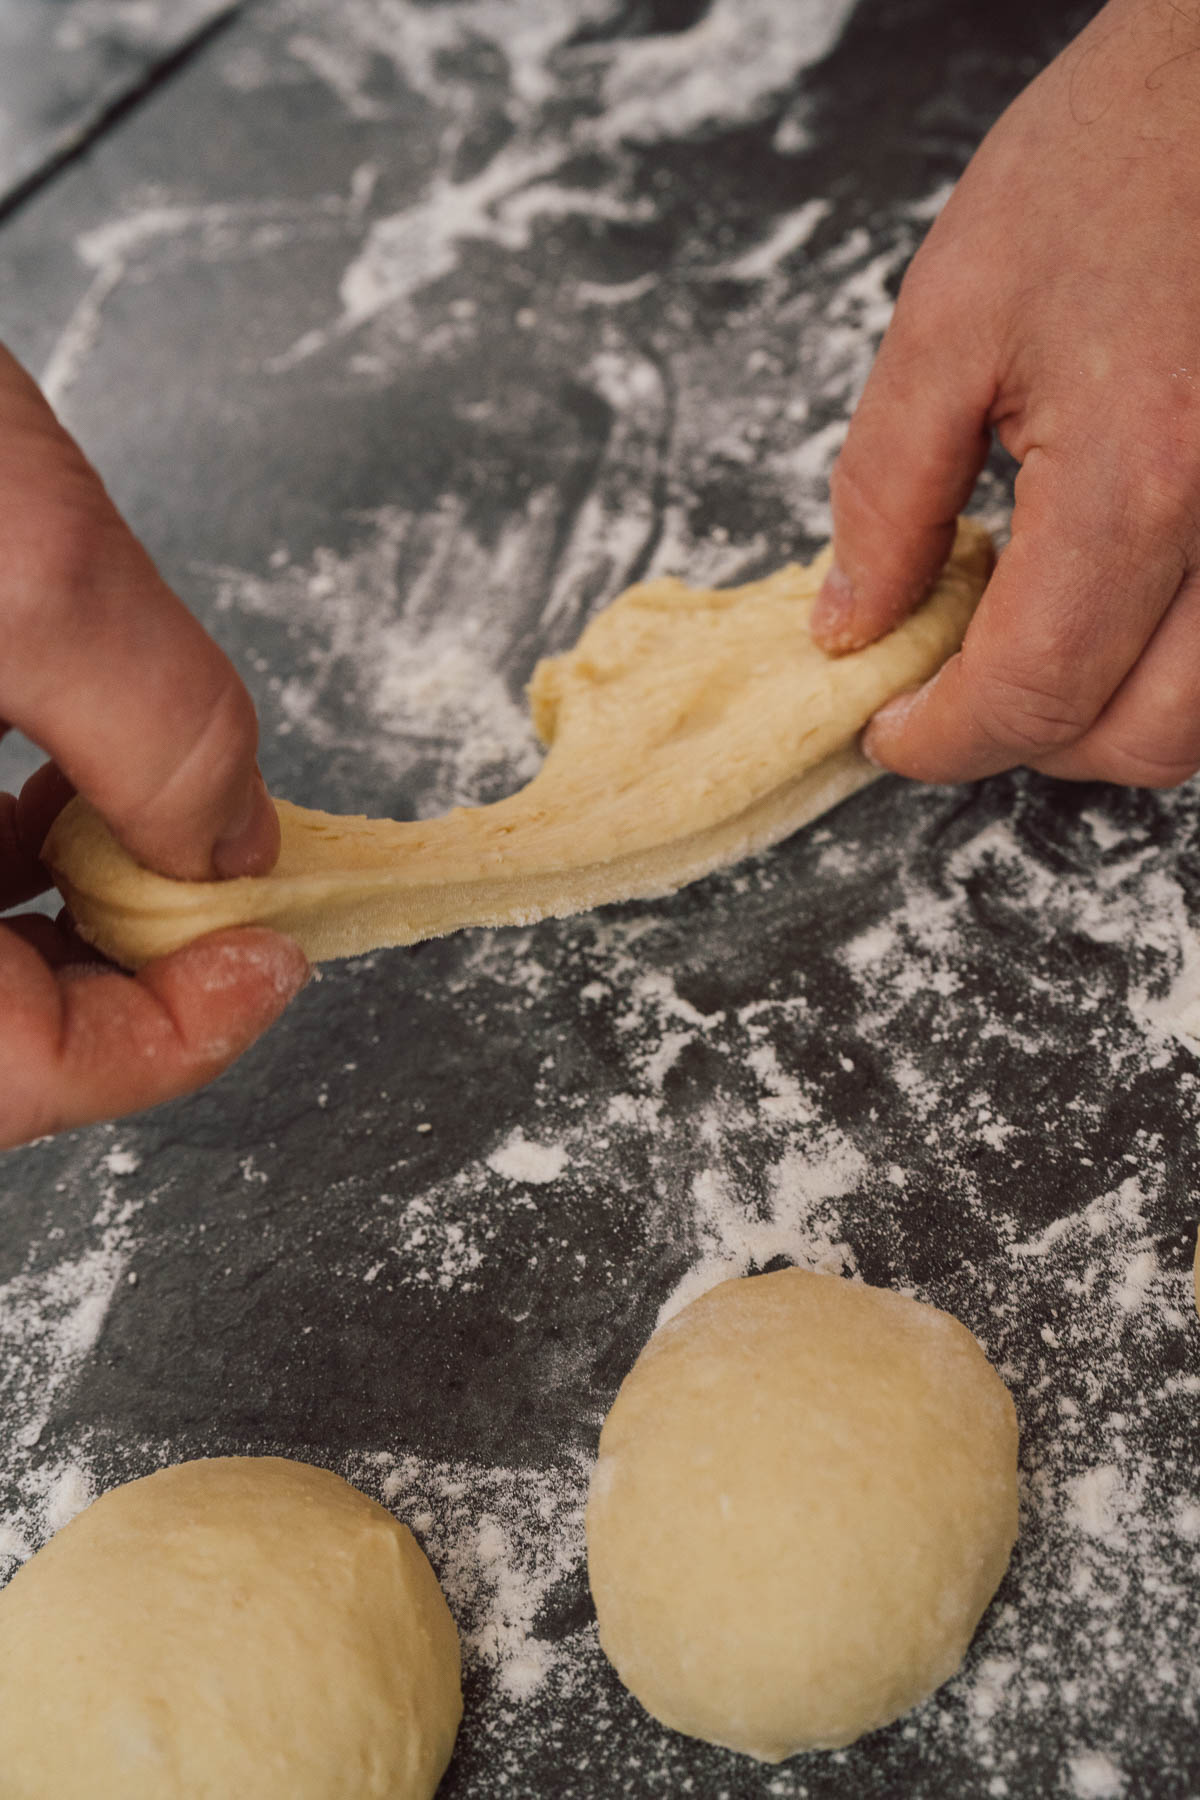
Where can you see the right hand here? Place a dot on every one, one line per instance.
(1054, 302)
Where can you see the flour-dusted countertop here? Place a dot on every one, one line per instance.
(407, 335)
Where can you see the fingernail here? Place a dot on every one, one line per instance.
(890, 717)
(250, 846)
(833, 611)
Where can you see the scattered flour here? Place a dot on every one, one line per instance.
(1094, 1776)
(732, 1238)
(122, 1162)
(48, 1324)
(71, 1492)
(517, 1159)
(501, 1541)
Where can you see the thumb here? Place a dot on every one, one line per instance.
(915, 447)
(83, 1042)
(105, 668)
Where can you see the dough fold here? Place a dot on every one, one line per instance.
(686, 729)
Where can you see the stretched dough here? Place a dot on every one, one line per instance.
(687, 728)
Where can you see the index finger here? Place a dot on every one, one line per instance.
(24, 822)
(106, 669)
(1074, 600)
(915, 446)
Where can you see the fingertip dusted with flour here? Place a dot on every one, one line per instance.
(223, 991)
(97, 1043)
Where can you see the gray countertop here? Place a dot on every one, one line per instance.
(407, 335)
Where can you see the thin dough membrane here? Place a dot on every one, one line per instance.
(686, 729)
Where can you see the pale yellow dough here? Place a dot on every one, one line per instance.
(244, 1628)
(806, 1494)
(686, 729)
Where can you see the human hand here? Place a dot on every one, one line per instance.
(1056, 301)
(108, 672)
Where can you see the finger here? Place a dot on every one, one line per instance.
(20, 878)
(43, 797)
(55, 940)
(76, 948)
(108, 671)
(916, 444)
(1074, 600)
(24, 823)
(1149, 733)
(21, 874)
(84, 1044)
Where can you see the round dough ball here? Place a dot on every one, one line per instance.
(243, 1627)
(806, 1495)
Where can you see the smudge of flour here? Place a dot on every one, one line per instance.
(384, 678)
(501, 1541)
(49, 1323)
(517, 1159)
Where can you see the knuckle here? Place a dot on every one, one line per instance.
(188, 786)
(222, 741)
(1138, 765)
(1149, 467)
(1156, 504)
(1031, 715)
(850, 486)
(232, 724)
(859, 492)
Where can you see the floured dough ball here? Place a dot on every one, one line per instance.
(806, 1494)
(244, 1627)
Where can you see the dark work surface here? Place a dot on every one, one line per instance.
(406, 336)
(67, 67)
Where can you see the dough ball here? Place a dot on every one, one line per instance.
(243, 1627)
(806, 1495)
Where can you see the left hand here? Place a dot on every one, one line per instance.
(81, 1041)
